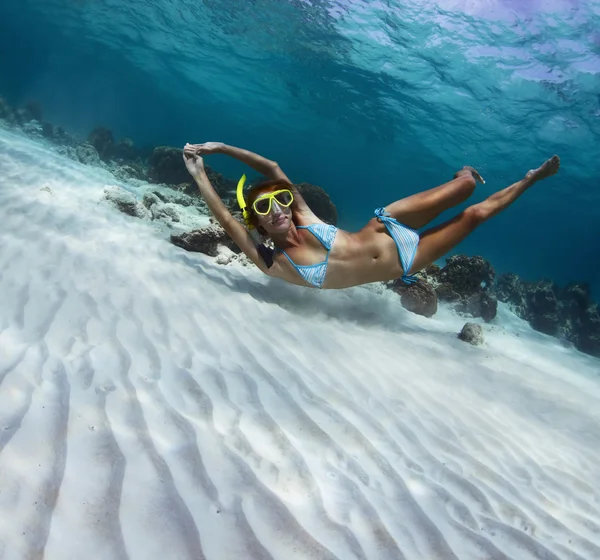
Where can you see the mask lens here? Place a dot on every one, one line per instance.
(262, 206)
(284, 198)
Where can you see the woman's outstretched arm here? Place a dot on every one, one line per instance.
(265, 166)
(235, 230)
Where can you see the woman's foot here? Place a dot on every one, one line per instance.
(547, 169)
(468, 170)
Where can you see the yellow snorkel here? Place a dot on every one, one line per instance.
(242, 202)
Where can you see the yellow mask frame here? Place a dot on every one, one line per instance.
(273, 196)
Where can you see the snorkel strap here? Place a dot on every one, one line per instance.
(242, 202)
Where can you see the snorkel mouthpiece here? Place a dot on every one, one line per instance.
(242, 202)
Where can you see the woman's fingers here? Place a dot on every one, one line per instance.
(196, 149)
(193, 149)
(206, 146)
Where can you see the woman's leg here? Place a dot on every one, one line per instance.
(419, 209)
(437, 241)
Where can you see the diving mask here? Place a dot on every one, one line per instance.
(283, 197)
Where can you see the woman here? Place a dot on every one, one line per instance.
(309, 252)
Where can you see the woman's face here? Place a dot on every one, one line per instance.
(278, 220)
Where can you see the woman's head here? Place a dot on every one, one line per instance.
(279, 216)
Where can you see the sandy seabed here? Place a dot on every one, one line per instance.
(154, 404)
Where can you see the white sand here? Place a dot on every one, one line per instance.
(154, 404)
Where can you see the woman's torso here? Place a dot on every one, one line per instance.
(369, 255)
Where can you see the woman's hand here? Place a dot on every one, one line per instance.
(209, 148)
(193, 161)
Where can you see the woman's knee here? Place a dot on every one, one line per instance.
(477, 214)
(468, 182)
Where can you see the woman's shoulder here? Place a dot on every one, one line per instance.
(305, 220)
(306, 217)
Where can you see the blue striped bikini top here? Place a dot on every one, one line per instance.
(315, 273)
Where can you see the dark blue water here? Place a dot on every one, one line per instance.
(372, 100)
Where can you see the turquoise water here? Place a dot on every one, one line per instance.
(371, 100)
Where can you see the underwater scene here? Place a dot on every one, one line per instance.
(312, 279)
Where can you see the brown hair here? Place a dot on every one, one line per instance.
(256, 191)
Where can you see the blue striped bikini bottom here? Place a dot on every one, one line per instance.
(406, 239)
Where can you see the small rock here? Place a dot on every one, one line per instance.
(125, 202)
(87, 154)
(126, 172)
(150, 199)
(419, 298)
(168, 195)
(472, 333)
(224, 255)
(33, 128)
(205, 240)
(166, 212)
